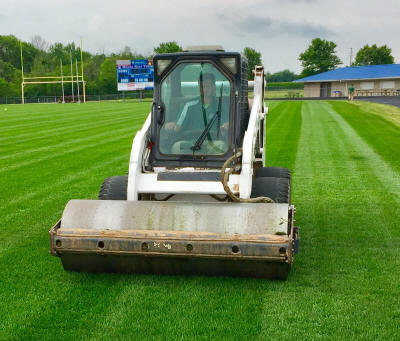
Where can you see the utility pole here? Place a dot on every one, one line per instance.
(351, 55)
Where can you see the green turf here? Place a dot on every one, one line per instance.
(344, 284)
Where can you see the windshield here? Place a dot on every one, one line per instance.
(196, 97)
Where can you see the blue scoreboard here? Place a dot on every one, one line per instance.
(135, 74)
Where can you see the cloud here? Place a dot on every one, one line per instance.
(262, 26)
(297, 1)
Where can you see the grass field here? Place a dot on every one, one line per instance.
(345, 282)
(282, 93)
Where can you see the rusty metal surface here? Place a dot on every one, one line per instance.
(53, 235)
(137, 242)
(173, 253)
(185, 251)
(217, 217)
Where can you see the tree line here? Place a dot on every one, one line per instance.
(43, 59)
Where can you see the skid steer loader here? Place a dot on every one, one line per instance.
(197, 199)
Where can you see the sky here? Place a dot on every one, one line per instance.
(279, 29)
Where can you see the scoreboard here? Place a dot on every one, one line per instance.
(135, 74)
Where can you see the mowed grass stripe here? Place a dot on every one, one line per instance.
(24, 184)
(341, 269)
(365, 155)
(39, 189)
(44, 115)
(200, 308)
(283, 131)
(89, 131)
(43, 126)
(39, 137)
(22, 206)
(382, 135)
(108, 137)
(52, 170)
(34, 236)
(280, 107)
(58, 128)
(62, 166)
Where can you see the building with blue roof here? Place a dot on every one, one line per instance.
(371, 80)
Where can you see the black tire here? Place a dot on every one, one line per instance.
(114, 188)
(278, 189)
(272, 172)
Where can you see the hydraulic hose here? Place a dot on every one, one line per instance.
(225, 177)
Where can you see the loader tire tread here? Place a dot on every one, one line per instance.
(278, 189)
(274, 172)
(114, 188)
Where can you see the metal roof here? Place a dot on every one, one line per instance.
(355, 73)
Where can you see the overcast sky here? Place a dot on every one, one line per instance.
(279, 29)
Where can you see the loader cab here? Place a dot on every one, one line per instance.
(200, 109)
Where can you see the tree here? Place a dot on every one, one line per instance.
(254, 58)
(57, 52)
(5, 89)
(40, 43)
(319, 57)
(10, 52)
(107, 83)
(92, 66)
(281, 76)
(126, 53)
(168, 47)
(374, 55)
(7, 71)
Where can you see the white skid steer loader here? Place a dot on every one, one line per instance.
(197, 199)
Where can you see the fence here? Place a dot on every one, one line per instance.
(145, 96)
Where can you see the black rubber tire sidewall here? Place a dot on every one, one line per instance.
(272, 172)
(278, 189)
(114, 188)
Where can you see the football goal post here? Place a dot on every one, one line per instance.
(62, 79)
